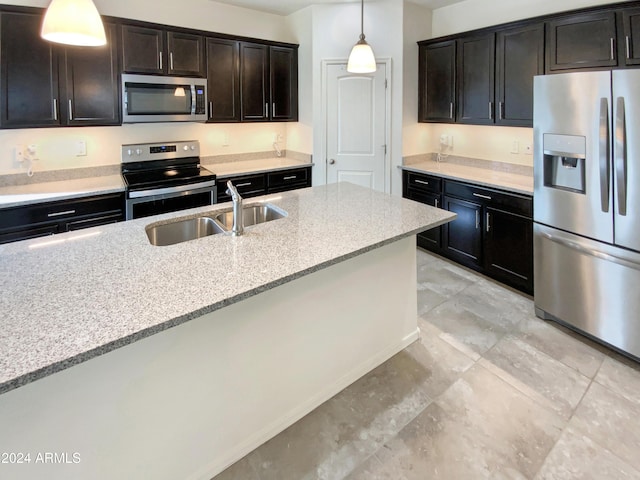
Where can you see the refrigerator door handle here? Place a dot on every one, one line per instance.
(621, 157)
(605, 172)
(591, 251)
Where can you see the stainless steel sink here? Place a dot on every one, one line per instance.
(182, 230)
(253, 214)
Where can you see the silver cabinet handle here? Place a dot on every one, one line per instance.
(487, 197)
(603, 135)
(490, 110)
(332, 161)
(436, 203)
(246, 184)
(621, 158)
(210, 109)
(58, 214)
(421, 181)
(273, 110)
(500, 108)
(160, 60)
(171, 60)
(450, 109)
(266, 109)
(55, 109)
(291, 177)
(488, 221)
(628, 46)
(70, 110)
(477, 219)
(613, 53)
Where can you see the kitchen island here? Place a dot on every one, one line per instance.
(134, 361)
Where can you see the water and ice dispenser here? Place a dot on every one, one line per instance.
(564, 162)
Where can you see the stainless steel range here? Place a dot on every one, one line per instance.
(165, 177)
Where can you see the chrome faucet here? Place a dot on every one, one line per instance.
(238, 220)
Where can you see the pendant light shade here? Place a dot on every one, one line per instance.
(73, 22)
(361, 59)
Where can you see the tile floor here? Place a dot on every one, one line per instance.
(490, 391)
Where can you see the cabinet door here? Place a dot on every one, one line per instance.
(247, 186)
(463, 236)
(431, 239)
(223, 80)
(29, 74)
(90, 83)
(143, 50)
(186, 54)
(581, 41)
(519, 57)
(254, 82)
(509, 248)
(288, 179)
(631, 26)
(476, 60)
(283, 67)
(437, 82)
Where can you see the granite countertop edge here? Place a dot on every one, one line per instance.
(420, 168)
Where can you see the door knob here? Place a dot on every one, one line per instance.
(332, 161)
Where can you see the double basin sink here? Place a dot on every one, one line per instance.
(182, 230)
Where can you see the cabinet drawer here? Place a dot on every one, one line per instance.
(59, 211)
(509, 202)
(288, 177)
(247, 186)
(426, 183)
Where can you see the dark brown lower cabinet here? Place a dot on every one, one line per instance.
(492, 233)
(262, 183)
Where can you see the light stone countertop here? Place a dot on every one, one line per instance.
(19, 195)
(229, 169)
(71, 297)
(481, 176)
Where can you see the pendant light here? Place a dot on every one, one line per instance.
(73, 22)
(361, 59)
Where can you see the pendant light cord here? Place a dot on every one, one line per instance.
(361, 19)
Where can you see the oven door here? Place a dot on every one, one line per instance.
(168, 200)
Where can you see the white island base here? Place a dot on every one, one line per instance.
(188, 402)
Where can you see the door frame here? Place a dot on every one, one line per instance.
(387, 127)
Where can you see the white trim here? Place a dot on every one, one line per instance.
(387, 62)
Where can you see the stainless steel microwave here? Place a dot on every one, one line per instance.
(149, 98)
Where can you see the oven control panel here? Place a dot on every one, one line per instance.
(160, 151)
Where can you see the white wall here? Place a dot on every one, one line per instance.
(56, 145)
(416, 26)
(489, 143)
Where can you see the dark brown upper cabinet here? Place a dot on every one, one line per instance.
(162, 52)
(475, 74)
(42, 84)
(437, 82)
(631, 33)
(519, 57)
(268, 83)
(223, 77)
(582, 41)
(283, 76)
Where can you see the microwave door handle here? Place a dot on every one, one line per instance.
(605, 173)
(193, 99)
(621, 156)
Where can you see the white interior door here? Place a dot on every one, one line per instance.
(356, 127)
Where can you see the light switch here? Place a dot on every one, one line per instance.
(515, 147)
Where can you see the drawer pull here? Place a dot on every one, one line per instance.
(488, 222)
(487, 197)
(477, 219)
(291, 177)
(245, 184)
(422, 182)
(436, 203)
(58, 214)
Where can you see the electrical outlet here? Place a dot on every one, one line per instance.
(225, 139)
(81, 148)
(19, 151)
(515, 147)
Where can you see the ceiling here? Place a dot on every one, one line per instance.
(286, 7)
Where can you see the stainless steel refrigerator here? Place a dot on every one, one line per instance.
(587, 204)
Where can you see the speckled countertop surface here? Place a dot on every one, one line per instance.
(481, 176)
(19, 195)
(74, 296)
(228, 169)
